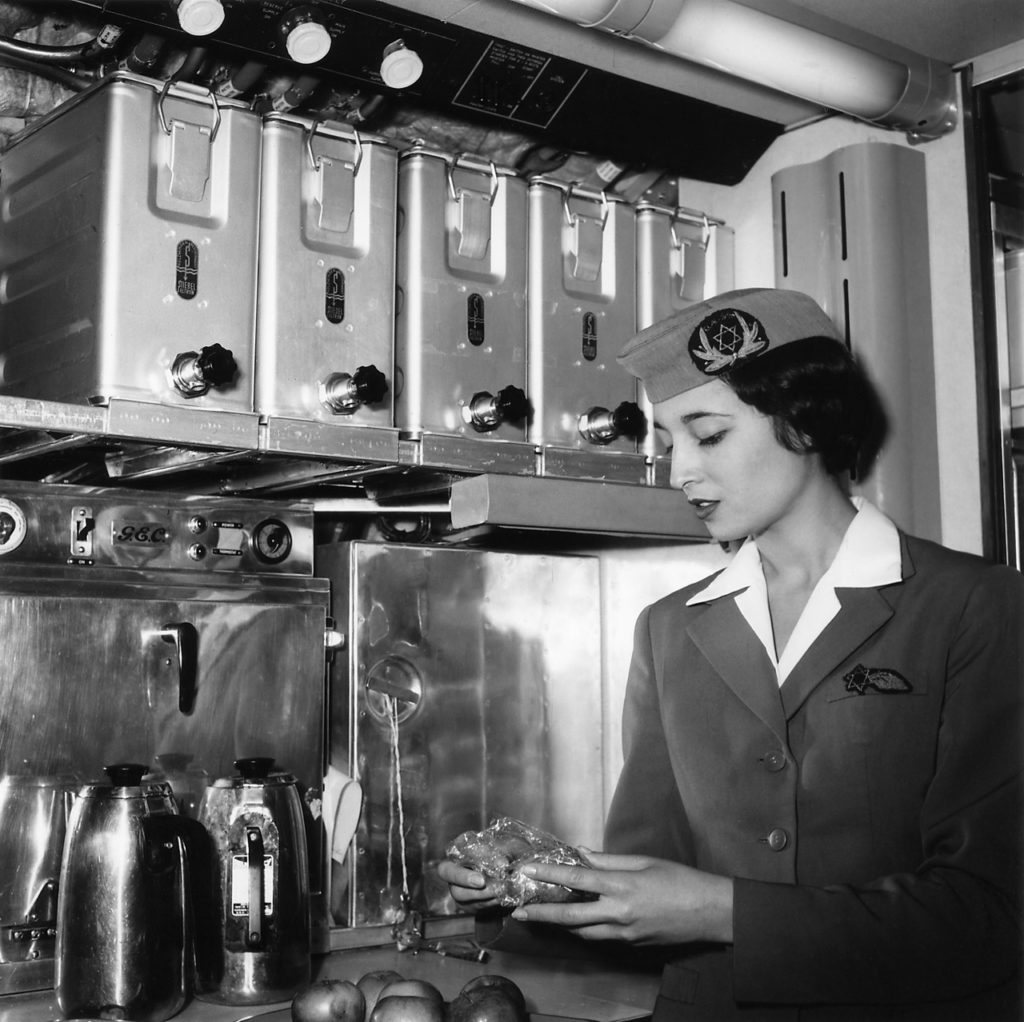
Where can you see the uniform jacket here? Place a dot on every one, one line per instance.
(869, 810)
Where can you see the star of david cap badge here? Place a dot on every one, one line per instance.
(704, 340)
(724, 338)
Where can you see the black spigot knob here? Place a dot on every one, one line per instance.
(600, 426)
(255, 767)
(216, 365)
(370, 383)
(344, 393)
(177, 761)
(194, 373)
(629, 420)
(486, 411)
(126, 775)
(512, 404)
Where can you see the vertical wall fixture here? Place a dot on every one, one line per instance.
(1013, 278)
(851, 230)
(892, 87)
(682, 257)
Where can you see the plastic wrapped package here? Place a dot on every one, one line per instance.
(501, 851)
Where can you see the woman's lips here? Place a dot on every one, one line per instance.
(703, 508)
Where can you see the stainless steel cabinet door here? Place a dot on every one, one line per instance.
(492, 665)
(92, 679)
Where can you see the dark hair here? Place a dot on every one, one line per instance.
(821, 402)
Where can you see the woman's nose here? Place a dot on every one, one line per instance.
(681, 468)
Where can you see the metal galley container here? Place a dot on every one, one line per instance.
(325, 323)
(461, 318)
(128, 249)
(582, 309)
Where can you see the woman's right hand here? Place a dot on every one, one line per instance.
(468, 887)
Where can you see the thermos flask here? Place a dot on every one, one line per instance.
(123, 919)
(259, 945)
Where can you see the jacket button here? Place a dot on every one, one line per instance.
(774, 760)
(778, 839)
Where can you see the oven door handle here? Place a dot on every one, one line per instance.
(185, 639)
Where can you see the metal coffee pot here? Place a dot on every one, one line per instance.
(124, 946)
(260, 946)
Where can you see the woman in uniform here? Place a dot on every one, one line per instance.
(819, 812)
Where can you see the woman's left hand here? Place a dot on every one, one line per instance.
(638, 899)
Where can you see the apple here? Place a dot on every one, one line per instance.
(412, 988)
(408, 1008)
(329, 1000)
(487, 1004)
(493, 980)
(372, 983)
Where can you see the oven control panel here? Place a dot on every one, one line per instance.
(89, 527)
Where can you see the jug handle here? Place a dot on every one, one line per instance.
(185, 639)
(254, 855)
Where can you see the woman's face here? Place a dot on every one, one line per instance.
(729, 463)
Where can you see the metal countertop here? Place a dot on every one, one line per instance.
(569, 991)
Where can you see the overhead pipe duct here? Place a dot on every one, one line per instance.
(906, 91)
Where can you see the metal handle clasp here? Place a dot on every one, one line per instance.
(316, 161)
(215, 127)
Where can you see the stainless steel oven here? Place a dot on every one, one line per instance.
(176, 632)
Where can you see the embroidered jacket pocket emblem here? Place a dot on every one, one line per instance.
(881, 679)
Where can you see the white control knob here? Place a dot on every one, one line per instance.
(308, 42)
(200, 17)
(401, 67)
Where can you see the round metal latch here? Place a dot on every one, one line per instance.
(394, 690)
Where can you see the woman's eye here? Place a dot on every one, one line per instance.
(711, 439)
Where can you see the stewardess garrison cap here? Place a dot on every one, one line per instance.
(695, 345)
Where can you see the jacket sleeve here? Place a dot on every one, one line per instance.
(646, 815)
(952, 927)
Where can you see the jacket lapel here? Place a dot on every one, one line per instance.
(729, 644)
(734, 651)
(862, 612)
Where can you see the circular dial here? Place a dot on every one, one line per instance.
(12, 526)
(271, 541)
